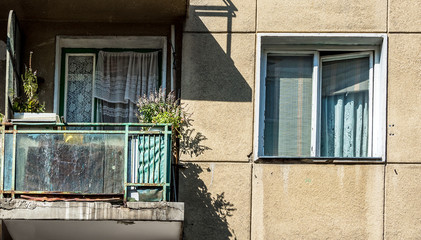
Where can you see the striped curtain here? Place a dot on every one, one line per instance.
(345, 108)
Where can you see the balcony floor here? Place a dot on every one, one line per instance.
(91, 220)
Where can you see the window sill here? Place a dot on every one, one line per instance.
(320, 160)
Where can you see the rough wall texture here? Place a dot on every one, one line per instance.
(317, 201)
(226, 195)
(404, 16)
(217, 198)
(217, 83)
(403, 201)
(404, 87)
(221, 16)
(304, 201)
(322, 16)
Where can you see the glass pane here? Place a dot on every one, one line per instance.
(8, 161)
(79, 88)
(345, 108)
(288, 106)
(87, 163)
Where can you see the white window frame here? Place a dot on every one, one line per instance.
(130, 42)
(374, 45)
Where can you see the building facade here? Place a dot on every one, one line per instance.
(304, 117)
(297, 197)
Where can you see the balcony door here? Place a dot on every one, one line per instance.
(103, 85)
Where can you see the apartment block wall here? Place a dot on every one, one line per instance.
(40, 37)
(228, 195)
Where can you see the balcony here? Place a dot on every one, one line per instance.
(86, 162)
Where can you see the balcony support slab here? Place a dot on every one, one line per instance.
(18, 209)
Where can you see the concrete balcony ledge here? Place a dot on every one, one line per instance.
(18, 209)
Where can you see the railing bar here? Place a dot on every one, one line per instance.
(88, 124)
(3, 136)
(147, 184)
(153, 159)
(149, 160)
(64, 193)
(166, 161)
(126, 148)
(160, 160)
(143, 158)
(136, 160)
(82, 132)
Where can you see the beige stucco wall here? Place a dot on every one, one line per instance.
(217, 83)
(221, 16)
(217, 200)
(403, 201)
(404, 16)
(317, 201)
(303, 201)
(226, 194)
(322, 16)
(404, 87)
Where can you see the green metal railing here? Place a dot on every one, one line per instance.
(85, 159)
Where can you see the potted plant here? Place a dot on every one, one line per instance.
(161, 108)
(28, 107)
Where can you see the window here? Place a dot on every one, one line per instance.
(321, 96)
(99, 79)
(103, 85)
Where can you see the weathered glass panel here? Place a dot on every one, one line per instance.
(8, 159)
(86, 163)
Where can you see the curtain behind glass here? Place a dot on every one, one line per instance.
(121, 78)
(287, 129)
(80, 76)
(345, 103)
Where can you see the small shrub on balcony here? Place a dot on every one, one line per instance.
(159, 107)
(30, 101)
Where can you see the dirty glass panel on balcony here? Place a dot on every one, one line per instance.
(8, 159)
(86, 163)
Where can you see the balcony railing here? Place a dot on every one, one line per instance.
(86, 159)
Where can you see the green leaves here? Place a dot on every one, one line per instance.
(29, 102)
(161, 108)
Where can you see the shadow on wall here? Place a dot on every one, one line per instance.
(206, 215)
(209, 72)
(191, 142)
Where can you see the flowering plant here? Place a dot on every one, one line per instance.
(161, 108)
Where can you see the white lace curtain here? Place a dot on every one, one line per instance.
(121, 78)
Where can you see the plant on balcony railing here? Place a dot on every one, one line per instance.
(30, 101)
(159, 107)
